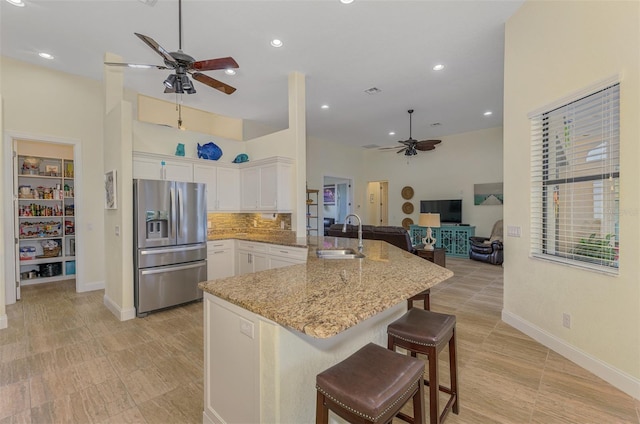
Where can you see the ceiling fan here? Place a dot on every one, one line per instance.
(411, 145)
(183, 64)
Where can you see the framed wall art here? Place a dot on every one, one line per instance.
(110, 190)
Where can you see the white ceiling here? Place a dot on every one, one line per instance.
(342, 49)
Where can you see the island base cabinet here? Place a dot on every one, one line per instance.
(260, 372)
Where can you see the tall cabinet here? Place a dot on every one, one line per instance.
(44, 219)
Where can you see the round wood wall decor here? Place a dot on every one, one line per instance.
(407, 207)
(407, 192)
(406, 222)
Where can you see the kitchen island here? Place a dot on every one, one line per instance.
(268, 334)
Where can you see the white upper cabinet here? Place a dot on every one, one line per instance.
(266, 186)
(158, 167)
(223, 186)
(228, 188)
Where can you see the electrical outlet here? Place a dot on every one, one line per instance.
(514, 231)
(566, 320)
(246, 328)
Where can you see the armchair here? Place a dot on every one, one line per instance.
(488, 249)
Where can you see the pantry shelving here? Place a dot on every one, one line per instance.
(45, 219)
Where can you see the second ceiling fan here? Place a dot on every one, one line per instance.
(411, 145)
(183, 64)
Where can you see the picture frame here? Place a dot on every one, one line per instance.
(110, 190)
(488, 194)
(329, 195)
(51, 169)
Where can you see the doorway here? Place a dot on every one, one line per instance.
(378, 202)
(336, 198)
(39, 212)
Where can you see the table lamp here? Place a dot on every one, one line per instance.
(429, 220)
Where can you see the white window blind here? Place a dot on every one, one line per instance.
(575, 176)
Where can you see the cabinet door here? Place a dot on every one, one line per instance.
(281, 262)
(207, 175)
(228, 189)
(178, 171)
(250, 178)
(149, 168)
(220, 264)
(260, 262)
(268, 183)
(243, 263)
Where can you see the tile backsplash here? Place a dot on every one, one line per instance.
(249, 221)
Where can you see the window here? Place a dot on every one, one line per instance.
(575, 176)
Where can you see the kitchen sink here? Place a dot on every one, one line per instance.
(339, 254)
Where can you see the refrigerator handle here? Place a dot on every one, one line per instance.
(172, 212)
(180, 212)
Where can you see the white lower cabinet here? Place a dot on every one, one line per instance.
(281, 256)
(250, 257)
(220, 259)
(254, 256)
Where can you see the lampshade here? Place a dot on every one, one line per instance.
(429, 220)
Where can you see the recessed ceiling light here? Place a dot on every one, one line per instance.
(392, 133)
(438, 67)
(229, 71)
(18, 3)
(346, 1)
(45, 55)
(276, 43)
(488, 113)
(324, 107)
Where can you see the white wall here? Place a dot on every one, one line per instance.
(554, 49)
(448, 172)
(42, 102)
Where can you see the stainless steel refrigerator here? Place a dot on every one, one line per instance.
(170, 243)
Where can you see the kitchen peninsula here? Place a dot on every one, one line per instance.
(268, 334)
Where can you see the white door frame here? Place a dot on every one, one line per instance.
(9, 279)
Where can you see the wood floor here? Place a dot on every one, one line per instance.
(66, 359)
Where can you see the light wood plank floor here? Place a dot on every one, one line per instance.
(66, 359)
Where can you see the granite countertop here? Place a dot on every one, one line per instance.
(283, 238)
(327, 296)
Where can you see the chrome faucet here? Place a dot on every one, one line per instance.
(344, 229)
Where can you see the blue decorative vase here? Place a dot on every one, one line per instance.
(180, 149)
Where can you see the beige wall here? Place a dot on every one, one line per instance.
(554, 49)
(42, 103)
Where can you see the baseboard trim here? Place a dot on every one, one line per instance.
(4, 321)
(96, 285)
(617, 378)
(121, 314)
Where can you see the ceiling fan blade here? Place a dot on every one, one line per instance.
(215, 64)
(136, 65)
(425, 147)
(402, 150)
(213, 83)
(157, 47)
(430, 142)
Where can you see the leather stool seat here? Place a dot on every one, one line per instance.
(423, 329)
(371, 385)
(428, 333)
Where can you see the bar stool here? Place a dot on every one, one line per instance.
(371, 386)
(424, 296)
(427, 333)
